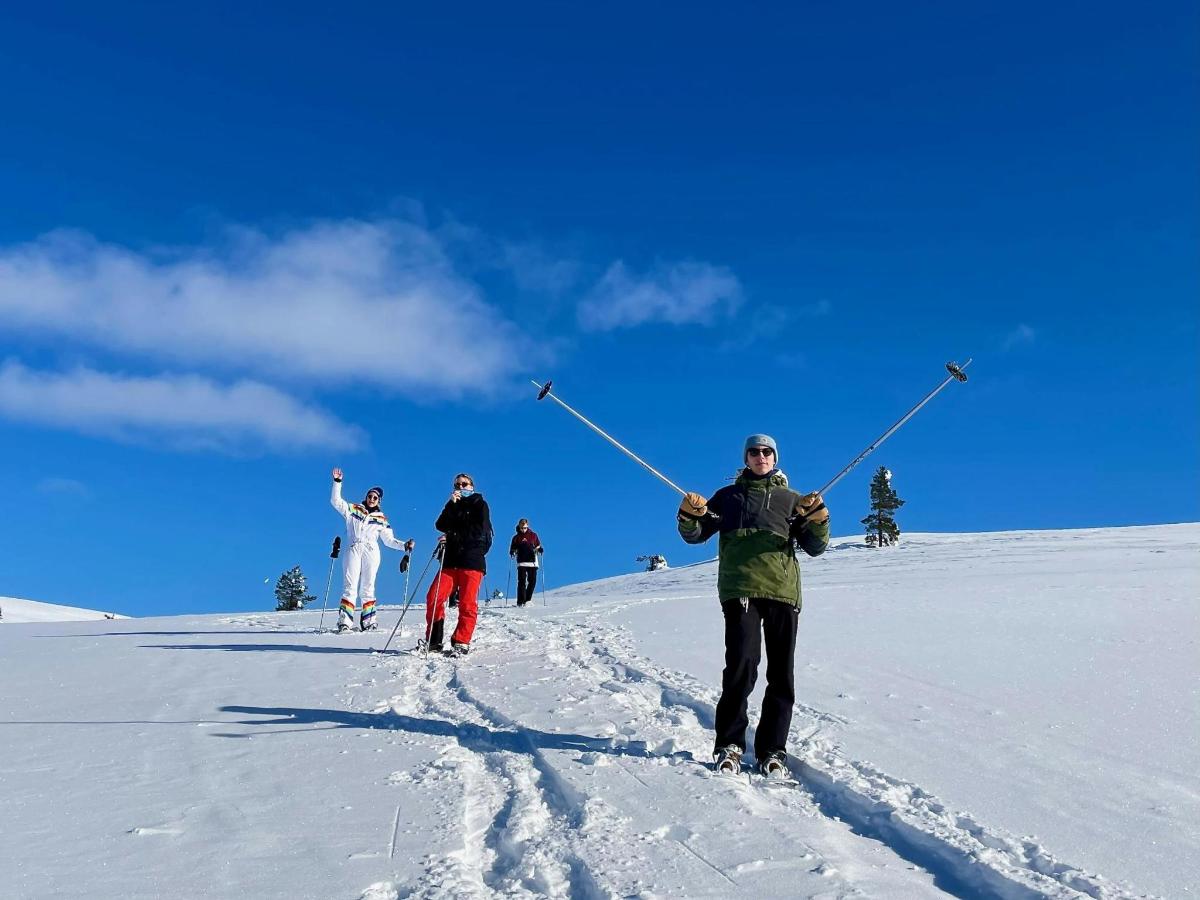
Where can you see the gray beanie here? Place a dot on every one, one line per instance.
(760, 440)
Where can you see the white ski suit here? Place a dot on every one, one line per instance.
(364, 528)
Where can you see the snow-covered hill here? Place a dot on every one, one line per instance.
(14, 610)
(1008, 715)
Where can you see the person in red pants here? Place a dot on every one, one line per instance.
(466, 523)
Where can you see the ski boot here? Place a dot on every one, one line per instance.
(343, 628)
(457, 649)
(774, 766)
(728, 760)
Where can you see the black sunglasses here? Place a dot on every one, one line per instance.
(761, 451)
(463, 484)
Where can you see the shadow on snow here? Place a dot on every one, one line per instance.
(256, 648)
(478, 738)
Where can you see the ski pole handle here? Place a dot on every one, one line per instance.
(337, 548)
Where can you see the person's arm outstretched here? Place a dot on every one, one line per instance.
(810, 528)
(695, 521)
(335, 496)
(389, 540)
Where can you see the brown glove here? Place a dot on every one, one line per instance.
(693, 506)
(811, 510)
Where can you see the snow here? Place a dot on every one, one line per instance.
(15, 610)
(1008, 715)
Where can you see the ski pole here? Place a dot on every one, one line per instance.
(437, 589)
(543, 562)
(408, 600)
(544, 391)
(405, 567)
(508, 583)
(956, 374)
(333, 555)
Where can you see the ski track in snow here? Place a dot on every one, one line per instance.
(568, 755)
(530, 827)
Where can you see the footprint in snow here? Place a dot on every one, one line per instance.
(674, 833)
(154, 829)
(381, 890)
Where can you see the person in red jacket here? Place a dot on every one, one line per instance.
(525, 548)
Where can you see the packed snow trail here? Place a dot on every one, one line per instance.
(597, 705)
(576, 775)
(246, 755)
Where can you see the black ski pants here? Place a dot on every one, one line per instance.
(745, 630)
(526, 580)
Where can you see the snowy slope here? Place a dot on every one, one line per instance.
(1005, 715)
(16, 610)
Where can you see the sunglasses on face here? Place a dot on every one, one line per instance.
(463, 484)
(761, 451)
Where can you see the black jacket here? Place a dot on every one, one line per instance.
(467, 525)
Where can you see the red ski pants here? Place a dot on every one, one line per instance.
(467, 581)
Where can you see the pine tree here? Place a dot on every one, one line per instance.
(291, 590)
(881, 524)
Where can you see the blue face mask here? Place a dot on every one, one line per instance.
(465, 492)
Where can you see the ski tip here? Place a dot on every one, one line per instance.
(545, 389)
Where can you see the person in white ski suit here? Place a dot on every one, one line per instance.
(366, 525)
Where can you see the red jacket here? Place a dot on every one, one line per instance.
(526, 546)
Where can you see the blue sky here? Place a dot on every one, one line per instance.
(241, 245)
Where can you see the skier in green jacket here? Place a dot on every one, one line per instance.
(761, 522)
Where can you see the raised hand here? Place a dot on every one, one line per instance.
(812, 509)
(694, 506)
(337, 474)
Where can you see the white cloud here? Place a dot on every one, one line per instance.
(336, 302)
(676, 293)
(185, 411)
(1019, 336)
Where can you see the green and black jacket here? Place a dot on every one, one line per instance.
(756, 557)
